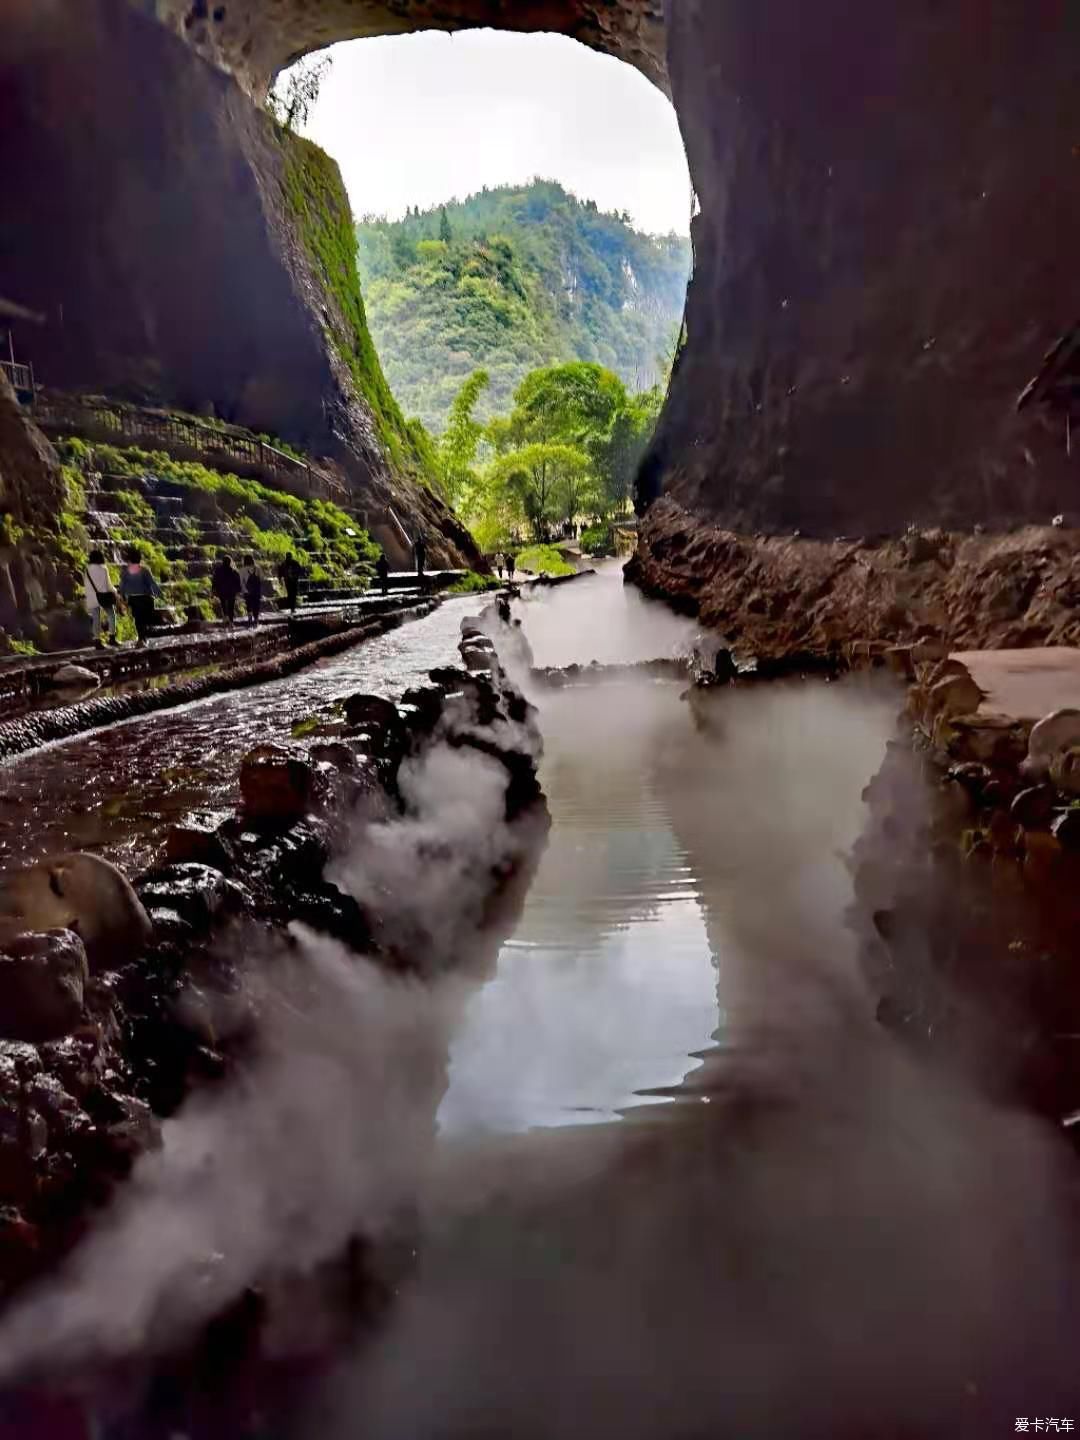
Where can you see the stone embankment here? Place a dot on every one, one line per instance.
(968, 875)
(111, 992)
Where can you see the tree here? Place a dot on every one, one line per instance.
(461, 438)
(295, 92)
(543, 481)
(445, 233)
(570, 403)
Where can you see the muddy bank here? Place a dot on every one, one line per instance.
(107, 1032)
(773, 594)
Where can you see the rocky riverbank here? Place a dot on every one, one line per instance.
(772, 595)
(118, 1000)
(967, 881)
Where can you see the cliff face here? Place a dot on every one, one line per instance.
(185, 252)
(37, 577)
(890, 205)
(890, 202)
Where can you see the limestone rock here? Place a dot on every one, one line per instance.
(42, 976)
(83, 893)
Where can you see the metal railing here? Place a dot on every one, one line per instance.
(21, 376)
(218, 445)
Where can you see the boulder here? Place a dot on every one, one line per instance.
(954, 695)
(1054, 732)
(1033, 808)
(74, 677)
(1066, 828)
(277, 785)
(1065, 770)
(197, 893)
(198, 841)
(42, 977)
(83, 893)
(380, 721)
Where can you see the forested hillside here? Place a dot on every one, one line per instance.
(513, 279)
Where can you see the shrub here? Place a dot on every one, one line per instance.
(544, 559)
(597, 541)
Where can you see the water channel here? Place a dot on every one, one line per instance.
(683, 1183)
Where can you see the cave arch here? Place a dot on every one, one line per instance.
(253, 39)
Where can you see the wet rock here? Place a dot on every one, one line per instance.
(198, 841)
(427, 702)
(42, 977)
(1034, 807)
(20, 1060)
(1065, 770)
(74, 677)
(1066, 828)
(78, 1061)
(477, 658)
(197, 893)
(380, 721)
(277, 785)
(82, 893)
(69, 1126)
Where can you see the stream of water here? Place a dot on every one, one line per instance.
(683, 1184)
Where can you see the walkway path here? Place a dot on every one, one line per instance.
(117, 791)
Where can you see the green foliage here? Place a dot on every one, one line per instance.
(517, 278)
(316, 197)
(472, 583)
(567, 451)
(596, 541)
(461, 438)
(544, 559)
(295, 92)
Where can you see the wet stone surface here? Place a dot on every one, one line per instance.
(119, 791)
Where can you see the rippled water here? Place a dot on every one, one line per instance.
(116, 791)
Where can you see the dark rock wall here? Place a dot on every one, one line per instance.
(890, 206)
(37, 582)
(146, 216)
(890, 200)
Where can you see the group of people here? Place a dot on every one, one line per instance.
(508, 562)
(139, 590)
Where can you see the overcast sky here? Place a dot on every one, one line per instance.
(419, 119)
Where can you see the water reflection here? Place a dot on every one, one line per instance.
(608, 985)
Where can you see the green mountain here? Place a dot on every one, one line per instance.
(512, 279)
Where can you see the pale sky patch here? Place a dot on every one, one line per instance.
(421, 119)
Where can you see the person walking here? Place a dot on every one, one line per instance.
(139, 589)
(499, 564)
(382, 570)
(511, 563)
(253, 588)
(420, 556)
(100, 598)
(290, 573)
(225, 585)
